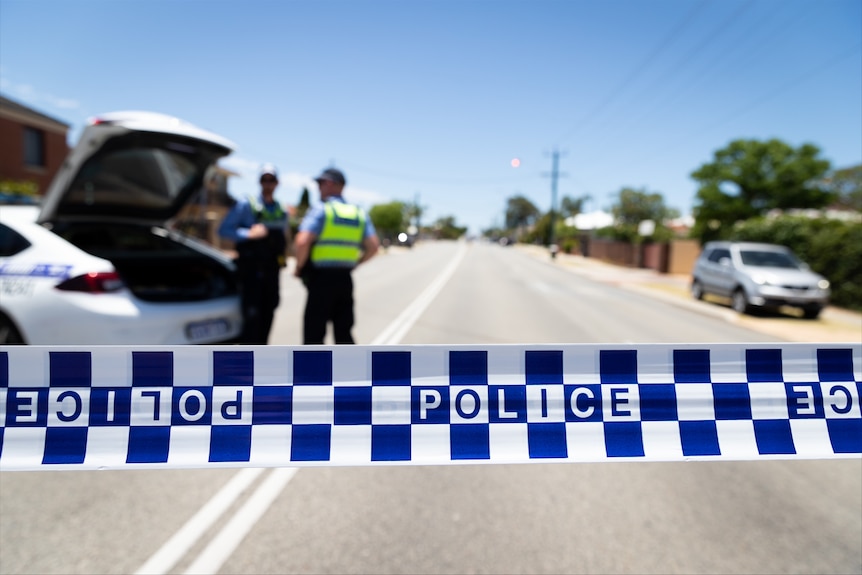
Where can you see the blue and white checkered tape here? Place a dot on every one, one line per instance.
(267, 406)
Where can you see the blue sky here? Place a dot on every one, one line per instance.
(433, 99)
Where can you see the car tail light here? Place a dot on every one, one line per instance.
(94, 282)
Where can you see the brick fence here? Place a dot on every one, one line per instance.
(675, 257)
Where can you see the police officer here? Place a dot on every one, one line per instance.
(332, 240)
(259, 228)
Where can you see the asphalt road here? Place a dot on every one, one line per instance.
(728, 517)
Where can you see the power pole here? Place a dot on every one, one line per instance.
(555, 174)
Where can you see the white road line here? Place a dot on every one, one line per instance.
(402, 324)
(183, 540)
(228, 539)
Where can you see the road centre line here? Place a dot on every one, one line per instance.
(183, 540)
(402, 324)
(210, 560)
(228, 539)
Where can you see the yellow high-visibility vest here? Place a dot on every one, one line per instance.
(340, 241)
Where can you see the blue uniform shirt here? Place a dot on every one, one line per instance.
(236, 224)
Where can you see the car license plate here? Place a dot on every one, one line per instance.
(207, 329)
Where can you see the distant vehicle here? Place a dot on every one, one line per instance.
(758, 276)
(403, 239)
(96, 264)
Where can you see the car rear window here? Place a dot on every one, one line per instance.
(141, 175)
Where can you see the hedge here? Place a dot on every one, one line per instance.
(833, 248)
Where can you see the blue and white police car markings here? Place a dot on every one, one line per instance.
(36, 270)
(18, 280)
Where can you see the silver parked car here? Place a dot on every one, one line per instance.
(758, 276)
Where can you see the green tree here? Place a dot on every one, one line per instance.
(846, 184)
(413, 213)
(750, 177)
(635, 206)
(297, 214)
(541, 230)
(445, 228)
(304, 203)
(520, 212)
(570, 207)
(566, 237)
(388, 218)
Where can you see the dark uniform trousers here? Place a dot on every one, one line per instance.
(259, 274)
(330, 298)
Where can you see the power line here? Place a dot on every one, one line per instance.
(699, 74)
(812, 72)
(669, 37)
(760, 45)
(720, 29)
(434, 180)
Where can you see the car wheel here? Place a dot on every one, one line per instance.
(9, 334)
(696, 290)
(811, 312)
(740, 302)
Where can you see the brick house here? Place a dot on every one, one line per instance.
(32, 148)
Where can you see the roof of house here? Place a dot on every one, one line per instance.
(16, 109)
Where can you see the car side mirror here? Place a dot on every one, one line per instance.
(724, 262)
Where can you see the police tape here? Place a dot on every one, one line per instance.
(273, 406)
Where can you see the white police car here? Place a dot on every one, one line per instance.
(95, 264)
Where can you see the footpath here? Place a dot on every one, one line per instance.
(834, 324)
